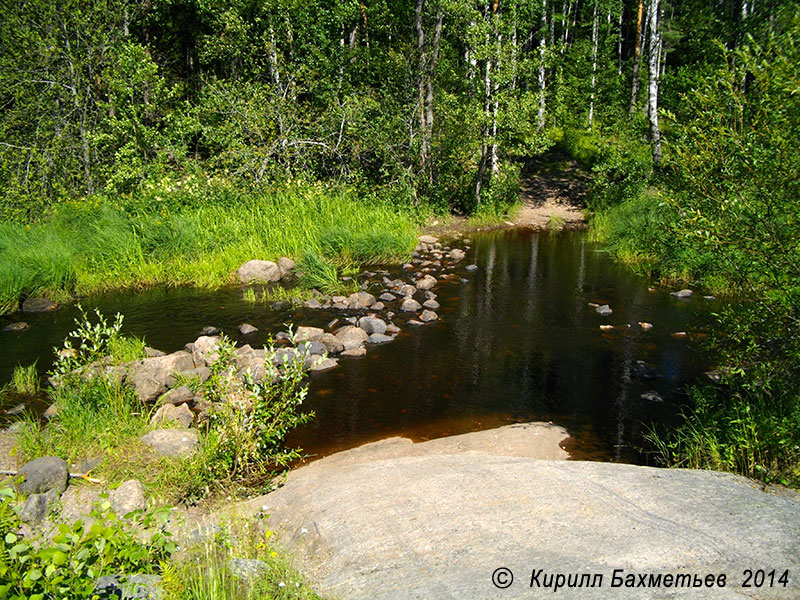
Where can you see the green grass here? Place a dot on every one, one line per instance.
(168, 235)
(25, 380)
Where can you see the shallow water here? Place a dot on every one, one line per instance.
(516, 342)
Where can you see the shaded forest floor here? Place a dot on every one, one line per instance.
(553, 191)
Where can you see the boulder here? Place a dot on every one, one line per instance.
(428, 239)
(171, 442)
(351, 337)
(410, 305)
(205, 350)
(37, 305)
(379, 338)
(312, 347)
(284, 356)
(603, 310)
(313, 303)
(426, 283)
(202, 373)
(37, 506)
(259, 271)
(685, 294)
(360, 299)
(456, 254)
(285, 265)
(432, 304)
(355, 352)
(407, 290)
(128, 497)
(247, 329)
(332, 344)
(372, 325)
(177, 396)
(19, 326)
(323, 365)
(44, 474)
(169, 412)
(428, 316)
(304, 334)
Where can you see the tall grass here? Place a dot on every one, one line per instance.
(25, 380)
(169, 235)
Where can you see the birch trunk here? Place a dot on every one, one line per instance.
(637, 57)
(652, 92)
(595, 36)
(542, 52)
(424, 151)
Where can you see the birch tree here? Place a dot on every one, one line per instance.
(652, 90)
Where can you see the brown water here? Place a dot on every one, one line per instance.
(516, 342)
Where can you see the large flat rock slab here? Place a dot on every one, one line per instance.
(437, 526)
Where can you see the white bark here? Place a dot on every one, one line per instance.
(637, 57)
(542, 52)
(652, 91)
(595, 37)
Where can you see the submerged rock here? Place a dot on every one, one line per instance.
(379, 338)
(685, 293)
(355, 352)
(652, 396)
(641, 370)
(37, 305)
(210, 330)
(19, 326)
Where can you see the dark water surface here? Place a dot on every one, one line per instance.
(516, 342)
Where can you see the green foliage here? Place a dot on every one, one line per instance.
(69, 564)
(25, 380)
(251, 416)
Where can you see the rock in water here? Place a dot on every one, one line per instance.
(685, 294)
(36, 305)
(410, 305)
(372, 325)
(19, 326)
(426, 282)
(259, 271)
(247, 329)
(285, 265)
(427, 316)
(456, 254)
(604, 310)
(351, 337)
(428, 239)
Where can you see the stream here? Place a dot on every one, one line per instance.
(517, 341)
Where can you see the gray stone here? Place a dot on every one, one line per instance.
(247, 329)
(177, 396)
(428, 239)
(387, 297)
(603, 310)
(44, 474)
(432, 304)
(471, 267)
(19, 326)
(355, 352)
(313, 303)
(436, 525)
(428, 316)
(169, 413)
(171, 442)
(456, 254)
(410, 305)
(204, 351)
(312, 347)
(351, 337)
(323, 365)
(360, 299)
(332, 344)
(283, 356)
(202, 373)
(51, 411)
(209, 330)
(285, 265)
(37, 506)
(247, 568)
(429, 295)
(37, 305)
(685, 294)
(128, 497)
(652, 396)
(415, 323)
(259, 271)
(379, 338)
(392, 329)
(304, 334)
(378, 306)
(407, 290)
(372, 325)
(426, 283)
(133, 587)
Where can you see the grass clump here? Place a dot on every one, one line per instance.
(173, 233)
(25, 380)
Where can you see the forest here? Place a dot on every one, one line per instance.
(165, 141)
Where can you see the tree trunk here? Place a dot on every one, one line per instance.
(542, 52)
(637, 57)
(652, 92)
(595, 37)
(424, 151)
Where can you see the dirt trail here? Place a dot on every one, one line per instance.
(553, 193)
